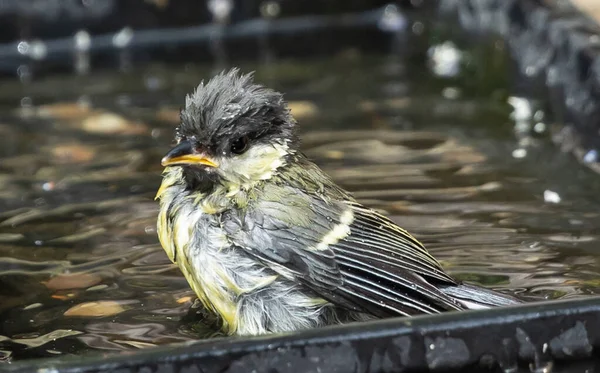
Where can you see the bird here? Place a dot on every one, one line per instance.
(268, 241)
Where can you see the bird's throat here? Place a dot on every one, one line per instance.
(200, 180)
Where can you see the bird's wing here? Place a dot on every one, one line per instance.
(345, 252)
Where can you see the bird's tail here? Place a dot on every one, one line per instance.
(477, 298)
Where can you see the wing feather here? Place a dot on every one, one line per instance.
(370, 265)
(371, 295)
(416, 291)
(403, 300)
(387, 238)
(369, 300)
(375, 235)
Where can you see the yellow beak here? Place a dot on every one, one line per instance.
(184, 154)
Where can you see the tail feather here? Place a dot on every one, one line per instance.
(476, 298)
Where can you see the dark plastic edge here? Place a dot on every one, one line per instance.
(557, 332)
(551, 39)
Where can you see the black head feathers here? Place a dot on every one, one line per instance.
(231, 106)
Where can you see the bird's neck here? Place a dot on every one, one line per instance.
(305, 175)
(198, 180)
(214, 195)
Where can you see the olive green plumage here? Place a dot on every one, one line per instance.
(268, 241)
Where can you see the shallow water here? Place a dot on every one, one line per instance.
(80, 265)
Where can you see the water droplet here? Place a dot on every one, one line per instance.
(522, 127)
(538, 116)
(26, 102)
(23, 47)
(270, 9)
(591, 156)
(551, 196)
(445, 59)
(220, 9)
(38, 50)
(531, 70)
(392, 19)
(451, 93)
(83, 40)
(24, 72)
(122, 38)
(539, 127)
(522, 108)
(545, 367)
(418, 28)
(519, 153)
(83, 43)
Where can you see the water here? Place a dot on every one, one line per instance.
(435, 148)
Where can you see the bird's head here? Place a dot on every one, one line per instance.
(233, 132)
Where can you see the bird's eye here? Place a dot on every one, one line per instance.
(240, 145)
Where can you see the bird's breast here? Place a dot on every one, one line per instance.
(191, 233)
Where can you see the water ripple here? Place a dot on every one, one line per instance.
(79, 257)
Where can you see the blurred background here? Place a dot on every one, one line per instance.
(433, 123)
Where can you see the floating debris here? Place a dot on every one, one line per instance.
(96, 309)
(109, 123)
(73, 281)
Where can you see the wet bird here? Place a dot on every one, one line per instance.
(268, 241)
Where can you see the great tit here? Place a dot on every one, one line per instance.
(268, 241)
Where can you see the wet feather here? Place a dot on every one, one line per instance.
(271, 243)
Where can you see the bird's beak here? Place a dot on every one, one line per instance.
(184, 154)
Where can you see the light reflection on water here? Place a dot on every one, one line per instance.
(80, 266)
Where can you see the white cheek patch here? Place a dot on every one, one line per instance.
(260, 162)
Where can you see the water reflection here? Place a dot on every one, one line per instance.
(118, 336)
(80, 266)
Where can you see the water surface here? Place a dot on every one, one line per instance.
(80, 265)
